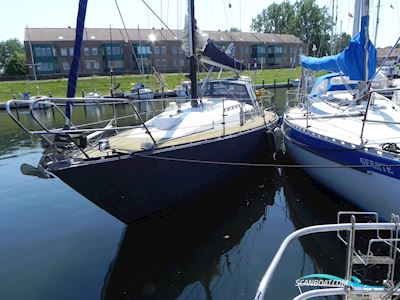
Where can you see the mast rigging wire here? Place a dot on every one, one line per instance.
(127, 36)
(166, 26)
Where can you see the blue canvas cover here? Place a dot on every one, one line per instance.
(350, 62)
(218, 55)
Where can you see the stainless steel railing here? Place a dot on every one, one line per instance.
(351, 228)
(139, 112)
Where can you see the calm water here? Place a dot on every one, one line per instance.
(55, 244)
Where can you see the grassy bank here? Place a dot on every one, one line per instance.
(58, 87)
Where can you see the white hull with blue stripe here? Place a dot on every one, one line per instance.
(362, 169)
(365, 188)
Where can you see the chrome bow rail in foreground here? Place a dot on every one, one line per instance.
(355, 256)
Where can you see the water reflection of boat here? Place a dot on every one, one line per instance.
(191, 249)
(311, 204)
(311, 210)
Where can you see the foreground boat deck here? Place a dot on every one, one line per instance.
(133, 140)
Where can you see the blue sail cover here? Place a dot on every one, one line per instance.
(350, 62)
(73, 72)
(215, 53)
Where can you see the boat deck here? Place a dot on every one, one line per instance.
(347, 126)
(133, 140)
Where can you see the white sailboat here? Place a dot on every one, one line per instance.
(349, 140)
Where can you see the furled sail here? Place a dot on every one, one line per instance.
(73, 72)
(80, 24)
(209, 52)
(350, 62)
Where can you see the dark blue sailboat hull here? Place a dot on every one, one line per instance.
(132, 187)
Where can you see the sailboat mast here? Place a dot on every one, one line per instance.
(192, 59)
(365, 87)
(357, 16)
(365, 23)
(377, 21)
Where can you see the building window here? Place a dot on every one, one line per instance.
(275, 50)
(86, 51)
(163, 50)
(46, 67)
(157, 62)
(64, 52)
(71, 51)
(156, 50)
(241, 50)
(65, 66)
(174, 50)
(44, 51)
(143, 50)
(96, 65)
(182, 62)
(88, 65)
(113, 50)
(164, 62)
(246, 50)
(95, 51)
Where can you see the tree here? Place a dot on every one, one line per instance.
(313, 25)
(276, 18)
(7, 48)
(341, 41)
(12, 57)
(15, 64)
(304, 19)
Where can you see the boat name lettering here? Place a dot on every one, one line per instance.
(375, 165)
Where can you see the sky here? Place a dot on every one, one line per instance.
(210, 15)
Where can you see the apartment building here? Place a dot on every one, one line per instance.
(134, 50)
